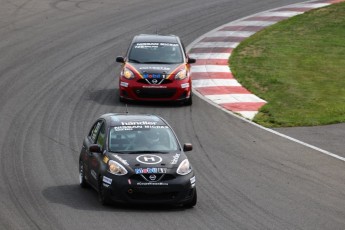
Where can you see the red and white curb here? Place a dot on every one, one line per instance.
(211, 74)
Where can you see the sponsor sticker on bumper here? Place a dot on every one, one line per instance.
(192, 181)
(124, 84)
(184, 85)
(107, 180)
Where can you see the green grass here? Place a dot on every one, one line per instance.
(298, 67)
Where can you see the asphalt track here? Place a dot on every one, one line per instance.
(57, 74)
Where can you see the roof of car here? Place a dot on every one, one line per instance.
(115, 119)
(156, 38)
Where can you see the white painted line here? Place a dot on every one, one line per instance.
(210, 55)
(214, 82)
(216, 44)
(232, 34)
(310, 5)
(234, 98)
(252, 23)
(269, 130)
(280, 14)
(210, 68)
(248, 114)
(215, 32)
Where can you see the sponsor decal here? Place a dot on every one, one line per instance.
(175, 159)
(106, 185)
(121, 160)
(154, 68)
(105, 159)
(152, 184)
(162, 170)
(149, 159)
(124, 84)
(192, 181)
(150, 170)
(107, 180)
(139, 123)
(132, 127)
(155, 86)
(154, 76)
(94, 174)
(184, 85)
(142, 45)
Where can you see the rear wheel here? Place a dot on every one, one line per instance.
(102, 196)
(82, 180)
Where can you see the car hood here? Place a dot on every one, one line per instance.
(149, 160)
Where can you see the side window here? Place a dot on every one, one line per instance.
(101, 136)
(94, 131)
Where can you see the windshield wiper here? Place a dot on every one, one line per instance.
(146, 151)
(118, 152)
(157, 62)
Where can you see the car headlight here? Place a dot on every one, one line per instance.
(182, 74)
(127, 73)
(184, 168)
(116, 169)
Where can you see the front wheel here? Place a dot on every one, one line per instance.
(82, 180)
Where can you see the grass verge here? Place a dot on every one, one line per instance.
(298, 67)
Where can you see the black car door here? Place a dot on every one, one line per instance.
(95, 158)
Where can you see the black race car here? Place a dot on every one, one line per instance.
(136, 159)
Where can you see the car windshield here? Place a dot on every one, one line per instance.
(142, 138)
(155, 52)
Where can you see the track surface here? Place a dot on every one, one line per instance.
(57, 74)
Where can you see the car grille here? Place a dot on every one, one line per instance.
(165, 81)
(146, 177)
(154, 93)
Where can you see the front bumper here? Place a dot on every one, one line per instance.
(174, 91)
(178, 190)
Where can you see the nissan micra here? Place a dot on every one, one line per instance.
(135, 158)
(156, 68)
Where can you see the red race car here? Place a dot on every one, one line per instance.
(156, 68)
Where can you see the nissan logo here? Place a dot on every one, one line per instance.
(149, 159)
(154, 81)
(152, 177)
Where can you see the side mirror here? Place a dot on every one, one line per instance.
(187, 147)
(120, 59)
(95, 148)
(191, 60)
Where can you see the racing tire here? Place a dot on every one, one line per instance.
(193, 202)
(102, 196)
(82, 181)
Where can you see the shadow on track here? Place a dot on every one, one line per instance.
(110, 97)
(86, 199)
